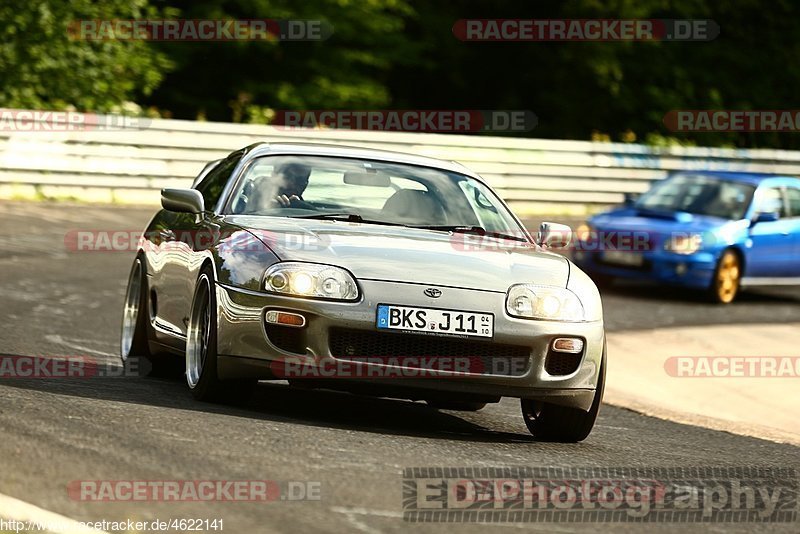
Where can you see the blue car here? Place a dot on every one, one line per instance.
(714, 231)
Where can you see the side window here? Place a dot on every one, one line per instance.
(207, 169)
(771, 201)
(793, 195)
(212, 185)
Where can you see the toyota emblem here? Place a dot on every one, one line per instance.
(433, 292)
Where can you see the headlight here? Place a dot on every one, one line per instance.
(310, 280)
(544, 302)
(684, 243)
(584, 232)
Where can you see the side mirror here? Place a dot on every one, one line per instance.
(554, 235)
(182, 200)
(631, 198)
(766, 217)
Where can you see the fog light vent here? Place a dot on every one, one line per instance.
(285, 318)
(564, 357)
(568, 345)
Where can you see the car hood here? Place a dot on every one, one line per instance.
(658, 226)
(408, 254)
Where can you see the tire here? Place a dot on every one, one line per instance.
(134, 347)
(457, 406)
(727, 278)
(201, 349)
(133, 336)
(552, 422)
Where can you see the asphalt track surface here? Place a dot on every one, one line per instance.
(57, 302)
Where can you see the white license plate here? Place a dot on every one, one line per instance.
(622, 257)
(434, 321)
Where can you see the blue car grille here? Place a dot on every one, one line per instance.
(645, 267)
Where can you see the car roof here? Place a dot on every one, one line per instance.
(320, 149)
(752, 178)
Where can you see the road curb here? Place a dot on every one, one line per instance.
(761, 407)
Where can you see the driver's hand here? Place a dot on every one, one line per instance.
(286, 201)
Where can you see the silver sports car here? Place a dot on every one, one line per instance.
(367, 271)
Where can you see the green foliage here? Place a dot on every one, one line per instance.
(576, 88)
(402, 54)
(42, 66)
(221, 81)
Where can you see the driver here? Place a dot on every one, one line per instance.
(293, 180)
(283, 189)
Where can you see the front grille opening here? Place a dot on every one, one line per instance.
(287, 338)
(645, 267)
(409, 350)
(560, 363)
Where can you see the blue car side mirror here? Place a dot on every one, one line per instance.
(766, 217)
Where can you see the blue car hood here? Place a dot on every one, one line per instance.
(659, 226)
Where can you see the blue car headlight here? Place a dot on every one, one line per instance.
(314, 280)
(682, 243)
(585, 232)
(544, 302)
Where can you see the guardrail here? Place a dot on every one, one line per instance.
(533, 175)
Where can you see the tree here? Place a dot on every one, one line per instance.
(220, 80)
(43, 66)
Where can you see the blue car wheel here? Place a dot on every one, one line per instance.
(727, 278)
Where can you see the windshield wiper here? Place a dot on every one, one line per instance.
(477, 230)
(345, 217)
(349, 217)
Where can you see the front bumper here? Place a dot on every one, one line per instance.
(690, 270)
(245, 350)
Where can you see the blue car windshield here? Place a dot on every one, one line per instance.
(700, 195)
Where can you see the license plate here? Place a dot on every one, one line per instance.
(435, 321)
(620, 257)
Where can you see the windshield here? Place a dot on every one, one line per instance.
(369, 191)
(701, 195)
